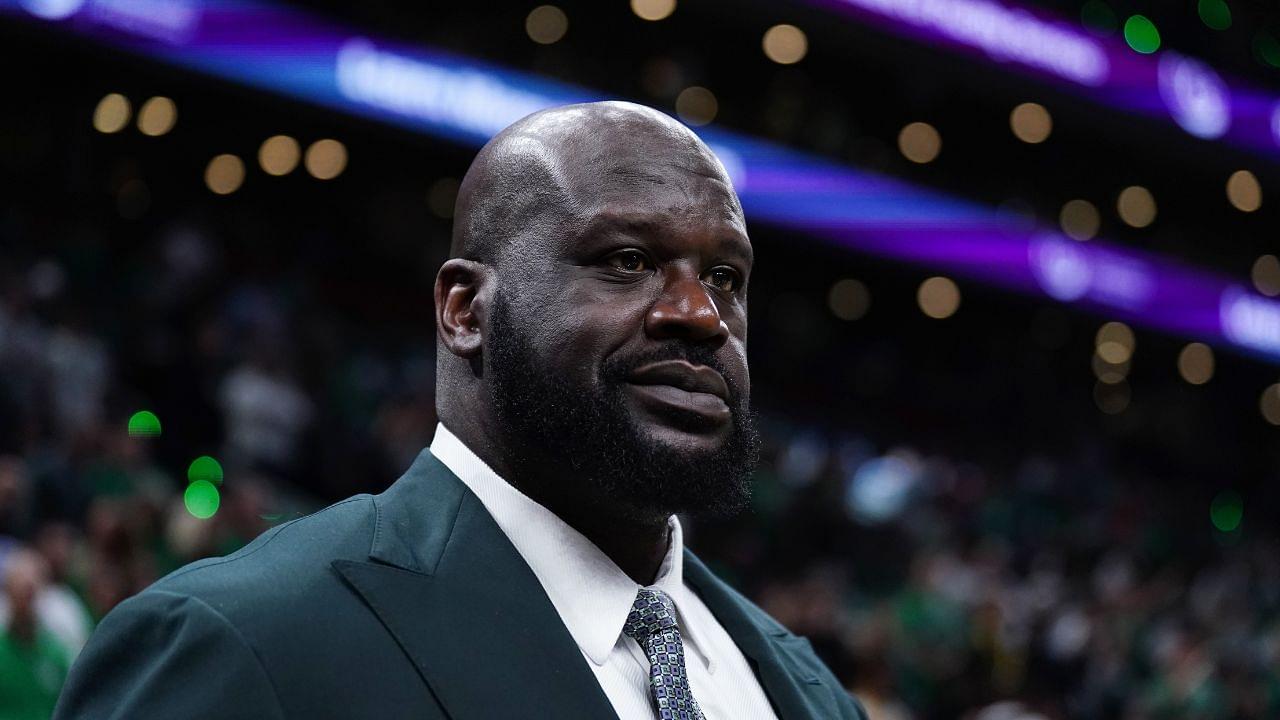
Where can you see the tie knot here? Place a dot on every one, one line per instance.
(651, 613)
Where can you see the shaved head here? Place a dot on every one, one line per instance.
(541, 174)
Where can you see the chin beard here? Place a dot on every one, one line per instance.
(589, 435)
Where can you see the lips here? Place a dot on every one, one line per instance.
(691, 396)
(683, 375)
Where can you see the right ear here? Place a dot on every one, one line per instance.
(461, 305)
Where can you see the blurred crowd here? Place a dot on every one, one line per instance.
(936, 587)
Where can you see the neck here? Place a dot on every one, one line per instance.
(635, 542)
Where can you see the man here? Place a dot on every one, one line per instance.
(592, 382)
(33, 662)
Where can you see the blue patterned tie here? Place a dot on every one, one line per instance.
(652, 622)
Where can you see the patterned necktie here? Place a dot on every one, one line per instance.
(652, 622)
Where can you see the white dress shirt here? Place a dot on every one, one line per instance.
(593, 597)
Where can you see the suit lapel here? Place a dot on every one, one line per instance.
(465, 607)
(796, 693)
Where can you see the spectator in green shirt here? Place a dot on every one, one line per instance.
(33, 664)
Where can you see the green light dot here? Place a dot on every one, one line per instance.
(202, 499)
(144, 423)
(1267, 48)
(1226, 511)
(205, 468)
(1215, 14)
(1098, 17)
(1141, 34)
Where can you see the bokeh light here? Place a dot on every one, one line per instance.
(1031, 123)
(326, 159)
(785, 44)
(1108, 372)
(653, 10)
(1141, 34)
(224, 174)
(1214, 13)
(1136, 206)
(279, 155)
(546, 24)
(1079, 219)
(205, 468)
(1115, 342)
(1195, 363)
(919, 142)
(1269, 404)
(111, 114)
(849, 299)
(1226, 511)
(938, 297)
(144, 424)
(1243, 191)
(157, 116)
(202, 499)
(1266, 275)
(696, 105)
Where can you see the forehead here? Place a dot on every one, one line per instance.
(669, 193)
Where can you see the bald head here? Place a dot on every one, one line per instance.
(551, 169)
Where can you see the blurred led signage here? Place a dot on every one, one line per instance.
(299, 55)
(1164, 85)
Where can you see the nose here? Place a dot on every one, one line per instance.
(687, 311)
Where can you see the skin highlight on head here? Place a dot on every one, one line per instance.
(592, 324)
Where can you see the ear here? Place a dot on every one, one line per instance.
(462, 293)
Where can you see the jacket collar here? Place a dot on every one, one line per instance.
(449, 586)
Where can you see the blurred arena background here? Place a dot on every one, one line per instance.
(1012, 335)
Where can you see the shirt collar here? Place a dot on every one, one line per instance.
(563, 559)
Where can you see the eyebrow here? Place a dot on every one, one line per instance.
(728, 244)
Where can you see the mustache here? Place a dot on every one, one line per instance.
(616, 370)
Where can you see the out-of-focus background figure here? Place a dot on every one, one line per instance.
(1015, 340)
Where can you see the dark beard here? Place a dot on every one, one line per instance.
(590, 434)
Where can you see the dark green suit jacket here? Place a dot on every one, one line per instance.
(411, 604)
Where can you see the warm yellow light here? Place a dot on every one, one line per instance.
(938, 297)
(696, 105)
(546, 24)
(1266, 275)
(326, 159)
(1113, 352)
(1031, 123)
(1108, 372)
(1243, 191)
(1269, 404)
(653, 10)
(1136, 206)
(1195, 363)
(785, 44)
(1117, 333)
(920, 142)
(111, 113)
(849, 299)
(224, 174)
(157, 116)
(279, 155)
(1079, 219)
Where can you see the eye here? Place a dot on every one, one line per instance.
(724, 278)
(629, 261)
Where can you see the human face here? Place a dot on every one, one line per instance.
(623, 339)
